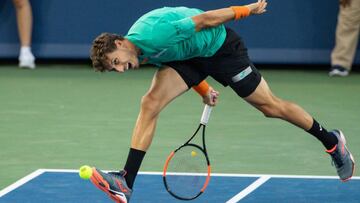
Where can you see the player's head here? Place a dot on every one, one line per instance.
(112, 52)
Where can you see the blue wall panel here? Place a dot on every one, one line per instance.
(290, 32)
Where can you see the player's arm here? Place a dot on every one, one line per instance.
(208, 94)
(217, 17)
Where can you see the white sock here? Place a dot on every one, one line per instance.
(25, 50)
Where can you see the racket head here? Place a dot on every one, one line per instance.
(186, 172)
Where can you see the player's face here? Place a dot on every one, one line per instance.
(123, 58)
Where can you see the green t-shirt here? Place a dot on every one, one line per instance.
(168, 34)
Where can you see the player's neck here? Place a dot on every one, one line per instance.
(133, 47)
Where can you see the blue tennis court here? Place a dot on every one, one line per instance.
(65, 186)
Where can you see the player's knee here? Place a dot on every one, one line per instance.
(150, 104)
(272, 110)
(268, 111)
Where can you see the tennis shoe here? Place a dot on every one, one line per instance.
(337, 70)
(342, 159)
(113, 184)
(26, 60)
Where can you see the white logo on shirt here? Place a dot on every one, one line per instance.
(159, 54)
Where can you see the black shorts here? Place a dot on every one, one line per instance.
(230, 66)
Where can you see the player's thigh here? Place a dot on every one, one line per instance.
(166, 85)
(243, 79)
(261, 96)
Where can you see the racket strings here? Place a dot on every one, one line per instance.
(187, 172)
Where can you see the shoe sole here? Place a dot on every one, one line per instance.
(27, 66)
(338, 73)
(103, 185)
(342, 137)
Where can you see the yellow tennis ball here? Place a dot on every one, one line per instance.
(193, 153)
(85, 172)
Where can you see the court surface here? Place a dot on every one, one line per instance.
(49, 185)
(65, 116)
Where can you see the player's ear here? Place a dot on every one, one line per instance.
(118, 43)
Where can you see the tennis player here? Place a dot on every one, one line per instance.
(188, 45)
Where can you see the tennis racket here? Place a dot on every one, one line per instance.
(187, 169)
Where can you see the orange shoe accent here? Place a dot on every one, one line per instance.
(122, 188)
(331, 150)
(97, 180)
(343, 149)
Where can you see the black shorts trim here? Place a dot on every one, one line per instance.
(230, 61)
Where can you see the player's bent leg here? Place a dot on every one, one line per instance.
(271, 106)
(166, 86)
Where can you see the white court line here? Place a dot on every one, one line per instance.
(252, 175)
(216, 174)
(41, 171)
(61, 170)
(21, 182)
(249, 189)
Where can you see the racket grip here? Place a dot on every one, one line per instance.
(206, 114)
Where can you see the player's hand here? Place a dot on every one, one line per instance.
(260, 7)
(211, 98)
(345, 3)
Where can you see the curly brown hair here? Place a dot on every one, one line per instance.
(102, 45)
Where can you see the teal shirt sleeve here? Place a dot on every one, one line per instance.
(168, 33)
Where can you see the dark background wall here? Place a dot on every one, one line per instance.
(291, 31)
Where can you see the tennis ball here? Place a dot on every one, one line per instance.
(85, 172)
(193, 153)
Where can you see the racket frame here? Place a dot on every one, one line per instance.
(203, 121)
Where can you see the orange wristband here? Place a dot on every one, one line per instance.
(240, 11)
(202, 88)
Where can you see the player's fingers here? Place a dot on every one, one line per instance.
(263, 8)
(263, 5)
(214, 97)
(260, 7)
(214, 102)
(258, 3)
(263, 11)
(215, 94)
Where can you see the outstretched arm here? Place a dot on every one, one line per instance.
(217, 17)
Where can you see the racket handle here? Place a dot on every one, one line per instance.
(206, 114)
